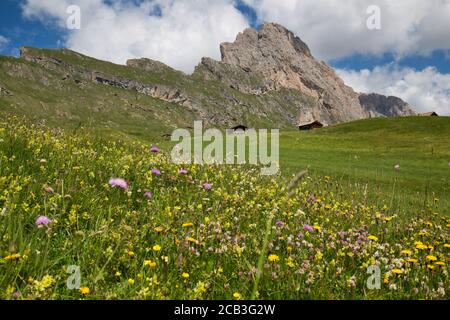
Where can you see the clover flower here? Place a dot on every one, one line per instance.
(207, 186)
(154, 149)
(118, 183)
(42, 221)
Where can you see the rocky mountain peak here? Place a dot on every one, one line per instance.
(271, 41)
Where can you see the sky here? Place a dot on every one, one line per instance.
(406, 55)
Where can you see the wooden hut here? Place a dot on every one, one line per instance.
(310, 125)
(429, 114)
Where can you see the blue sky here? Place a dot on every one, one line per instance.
(393, 56)
(27, 32)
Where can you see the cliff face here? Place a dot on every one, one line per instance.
(279, 59)
(266, 78)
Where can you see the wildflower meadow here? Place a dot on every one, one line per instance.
(137, 226)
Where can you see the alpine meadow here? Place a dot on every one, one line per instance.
(93, 206)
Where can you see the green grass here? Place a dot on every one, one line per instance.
(243, 238)
(363, 154)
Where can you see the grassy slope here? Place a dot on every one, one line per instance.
(191, 243)
(365, 153)
(213, 96)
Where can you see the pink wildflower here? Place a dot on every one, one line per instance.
(119, 183)
(42, 221)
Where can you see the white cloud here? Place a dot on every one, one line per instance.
(183, 32)
(336, 29)
(3, 42)
(426, 90)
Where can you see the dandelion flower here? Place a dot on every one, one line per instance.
(412, 260)
(187, 225)
(185, 275)
(373, 238)
(273, 258)
(158, 229)
(157, 248)
(237, 296)
(12, 257)
(397, 271)
(131, 281)
(118, 183)
(150, 263)
(431, 258)
(406, 252)
(42, 221)
(85, 290)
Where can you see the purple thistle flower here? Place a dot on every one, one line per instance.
(148, 195)
(207, 186)
(156, 171)
(49, 190)
(308, 228)
(183, 172)
(154, 149)
(42, 221)
(280, 224)
(119, 183)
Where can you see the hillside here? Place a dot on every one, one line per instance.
(207, 232)
(267, 78)
(363, 155)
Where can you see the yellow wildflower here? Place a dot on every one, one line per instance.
(274, 258)
(412, 260)
(185, 275)
(373, 238)
(192, 240)
(237, 296)
(431, 258)
(397, 271)
(85, 290)
(187, 225)
(157, 248)
(150, 263)
(12, 257)
(158, 229)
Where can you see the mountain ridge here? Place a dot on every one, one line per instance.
(266, 78)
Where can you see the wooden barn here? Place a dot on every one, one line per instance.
(310, 125)
(429, 114)
(240, 128)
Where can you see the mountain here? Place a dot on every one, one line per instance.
(266, 78)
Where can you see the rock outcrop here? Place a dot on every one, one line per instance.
(274, 58)
(378, 105)
(265, 78)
